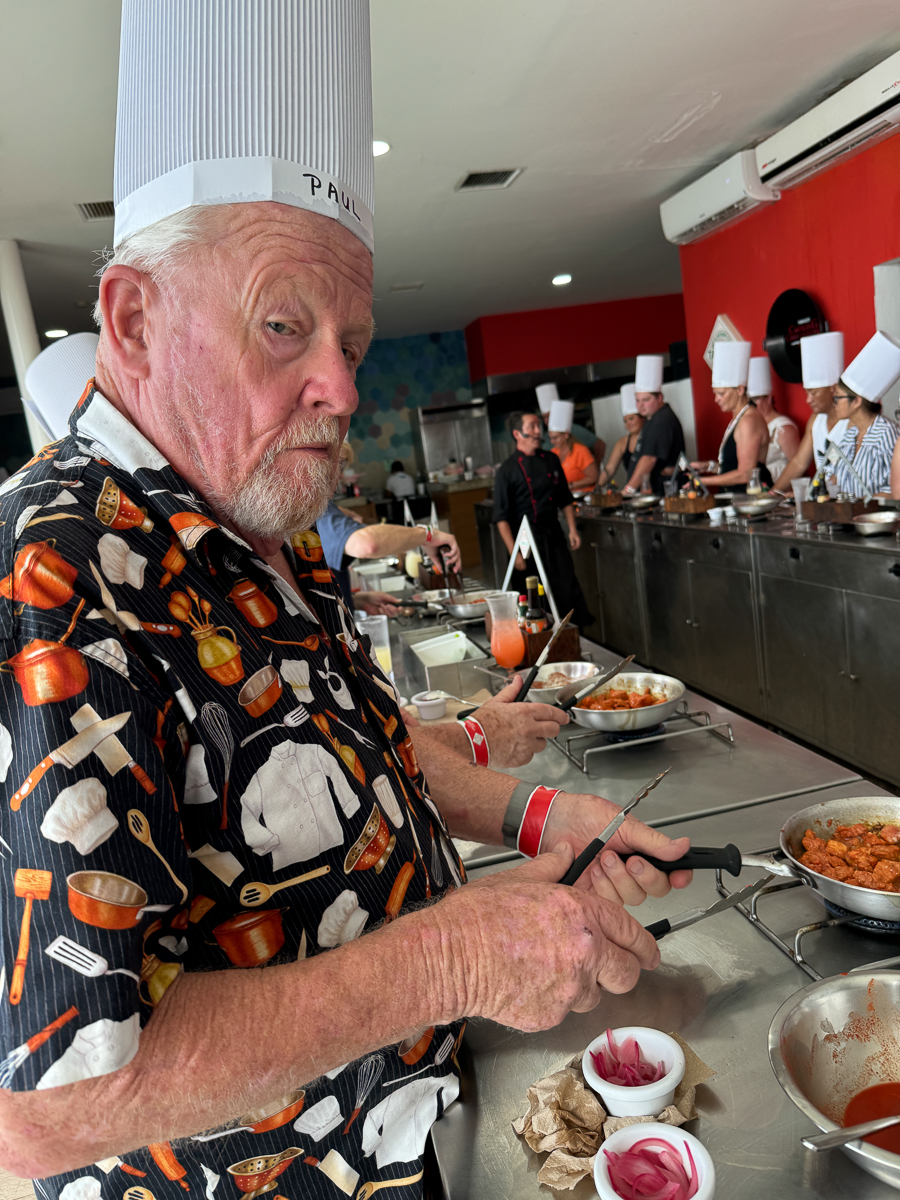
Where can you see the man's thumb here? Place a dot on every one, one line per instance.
(549, 866)
(508, 693)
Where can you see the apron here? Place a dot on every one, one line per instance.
(728, 459)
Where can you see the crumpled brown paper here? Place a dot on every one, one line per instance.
(566, 1118)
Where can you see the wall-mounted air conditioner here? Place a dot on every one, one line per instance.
(860, 114)
(723, 194)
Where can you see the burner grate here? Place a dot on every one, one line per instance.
(869, 924)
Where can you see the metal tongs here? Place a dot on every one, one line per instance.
(659, 929)
(568, 696)
(592, 849)
(835, 453)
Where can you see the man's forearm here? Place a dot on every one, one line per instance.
(473, 799)
(505, 530)
(371, 541)
(644, 466)
(192, 1071)
(569, 514)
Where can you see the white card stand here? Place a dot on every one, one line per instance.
(407, 515)
(526, 544)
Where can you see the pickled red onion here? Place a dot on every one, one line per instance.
(652, 1170)
(623, 1064)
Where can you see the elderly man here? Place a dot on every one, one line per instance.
(661, 439)
(205, 770)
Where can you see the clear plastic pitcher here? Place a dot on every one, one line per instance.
(507, 643)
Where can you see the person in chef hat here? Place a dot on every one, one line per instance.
(235, 311)
(624, 451)
(868, 445)
(661, 440)
(547, 396)
(578, 464)
(746, 439)
(784, 436)
(58, 376)
(822, 361)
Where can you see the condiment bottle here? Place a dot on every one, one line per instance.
(522, 610)
(535, 618)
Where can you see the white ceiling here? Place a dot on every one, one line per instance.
(609, 105)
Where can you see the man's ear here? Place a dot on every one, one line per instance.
(123, 296)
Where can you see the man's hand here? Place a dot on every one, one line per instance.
(575, 539)
(579, 818)
(450, 550)
(377, 603)
(520, 562)
(516, 732)
(524, 952)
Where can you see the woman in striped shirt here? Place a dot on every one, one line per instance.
(868, 443)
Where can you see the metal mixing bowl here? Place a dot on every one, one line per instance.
(644, 501)
(756, 506)
(823, 819)
(465, 606)
(628, 720)
(574, 670)
(832, 1039)
(871, 523)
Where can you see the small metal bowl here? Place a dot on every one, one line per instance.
(574, 670)
(433, 599)
(756, 506)
(644, 501)
(832, 1039)
(628, 720)
(869, 524)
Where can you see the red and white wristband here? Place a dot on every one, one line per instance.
(481, 751)
(526, 817)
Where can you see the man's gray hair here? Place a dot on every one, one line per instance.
(159, 250)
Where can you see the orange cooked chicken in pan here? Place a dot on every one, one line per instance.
(620, 698)
(867, 856)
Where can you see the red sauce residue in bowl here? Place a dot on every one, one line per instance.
(882, 1100)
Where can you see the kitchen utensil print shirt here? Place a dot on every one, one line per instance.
(200, 770)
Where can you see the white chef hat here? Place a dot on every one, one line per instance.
(731, 364)
(342, 921)
(648, 373)
(79, 815)
(561, 414)
(57, 377)
(822, 359)
(320, 1119)
(759, 377)
(546, 394)
(875, 369)
(230, 103)
(626, 395)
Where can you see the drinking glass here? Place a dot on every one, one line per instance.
(377, 629)
(800, 488)
(507, 643)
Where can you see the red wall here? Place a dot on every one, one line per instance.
(509, 343)
(824, 237)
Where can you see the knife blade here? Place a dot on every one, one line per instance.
(691, 916)
(110, 751)
(727, 858)
(592, 849)
(566, 698)
(69, 754)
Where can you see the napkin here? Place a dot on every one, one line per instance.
(567, 1119)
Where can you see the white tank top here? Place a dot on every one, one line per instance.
(776, 459)
(821, 436)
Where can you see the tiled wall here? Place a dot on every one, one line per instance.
(400, 374)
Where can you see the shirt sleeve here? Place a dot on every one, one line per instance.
(334, 528)
(95, 879)
(581, 459)
(504, 501)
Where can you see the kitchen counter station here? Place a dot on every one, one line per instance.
(719, 985)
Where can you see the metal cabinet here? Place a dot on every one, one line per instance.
(805, 661)
(585, 562)
(873, 653)
(618, 602)
(726, 663)
(667, 601)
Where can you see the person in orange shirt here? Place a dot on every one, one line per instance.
(578, 463)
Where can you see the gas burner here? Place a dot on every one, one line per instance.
(637, 736)
(869, 924)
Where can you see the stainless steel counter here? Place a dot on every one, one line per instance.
(718, 985)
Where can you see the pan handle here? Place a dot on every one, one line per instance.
(698, 858)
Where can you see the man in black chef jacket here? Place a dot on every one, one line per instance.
(531, 484)
(661, 440)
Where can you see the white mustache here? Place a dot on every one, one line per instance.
(321, 431)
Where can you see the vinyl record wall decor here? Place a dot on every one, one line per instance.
(793, 316)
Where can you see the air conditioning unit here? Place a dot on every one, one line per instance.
(862, 113)
(723, 194)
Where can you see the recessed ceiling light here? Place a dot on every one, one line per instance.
(56, 333)
(561, 280)
(379, 148)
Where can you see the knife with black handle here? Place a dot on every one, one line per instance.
(726, 858)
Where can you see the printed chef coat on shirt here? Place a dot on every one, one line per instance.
(232, 735)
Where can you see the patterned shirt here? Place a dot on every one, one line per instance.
(871, 460)
(181, 735)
